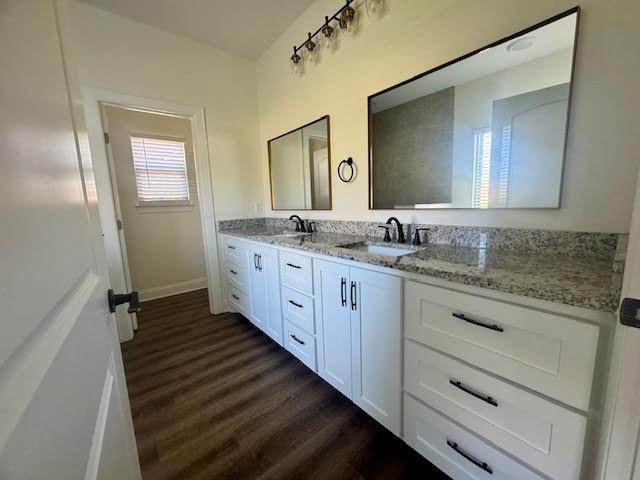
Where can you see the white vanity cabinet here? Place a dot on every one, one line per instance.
(359, 317)
(264, 289)
(483, 385)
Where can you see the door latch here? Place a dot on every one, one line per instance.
(629, 312)
(116, 299)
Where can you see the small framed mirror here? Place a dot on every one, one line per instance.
(300, 168)
(486, 130)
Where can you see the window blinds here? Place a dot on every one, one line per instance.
(161, 170)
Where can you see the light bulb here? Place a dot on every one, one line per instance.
(328, 35)
(296, 62)
(374, 7)
(348, 19)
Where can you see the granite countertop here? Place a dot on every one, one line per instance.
(579, 281)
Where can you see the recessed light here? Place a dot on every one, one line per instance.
(521, 44)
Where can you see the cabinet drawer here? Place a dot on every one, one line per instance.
(298, 309)
(538, 432)
(455, 451)
(239, 300)
(238, 277)
(234, 251)
(296, 272)
(552, 354)
(301, 344)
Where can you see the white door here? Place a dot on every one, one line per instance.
(113, 235)
(269, 268)
(333, 314)
(258, 286)
(64, 412)
(619, 456)
(376, 324)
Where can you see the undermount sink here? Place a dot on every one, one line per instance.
(288, 235)
(379, 249)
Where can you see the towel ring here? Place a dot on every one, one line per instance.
(342, 166)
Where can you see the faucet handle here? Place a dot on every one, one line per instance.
(311, 227)
(387, 236)
(416, 236)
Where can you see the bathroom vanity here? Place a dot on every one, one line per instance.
(485, 362)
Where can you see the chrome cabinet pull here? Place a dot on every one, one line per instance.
(294, 266)
(255, 261)
(233, 271)
(259, 262)
(297, 339)
(295, 304)
(494, 327)
(235, 296)
(464, 388)
(343, 291)
(354, 301)
(231, 247)
(483, 465)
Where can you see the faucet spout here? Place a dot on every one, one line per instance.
(300, 227)
(401, 237)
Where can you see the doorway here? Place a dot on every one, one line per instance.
(153, 175)
(153, 191)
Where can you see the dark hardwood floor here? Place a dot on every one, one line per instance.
(212, 397)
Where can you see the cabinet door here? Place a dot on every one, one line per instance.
(376, 322)
(269, 269)
(333, 323)
(258, 288)
(265, 291)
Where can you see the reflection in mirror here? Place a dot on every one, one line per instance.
(486, 131)
(299, 165)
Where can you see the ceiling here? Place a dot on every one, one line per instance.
(242, 27)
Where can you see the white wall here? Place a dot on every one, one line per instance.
(164, 244)
(119, 54)
(415, 35)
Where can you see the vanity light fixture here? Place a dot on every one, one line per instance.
(328, 38)
(346, 18)
(374, 7)
(296, 61)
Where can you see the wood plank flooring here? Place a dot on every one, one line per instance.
(212, 397)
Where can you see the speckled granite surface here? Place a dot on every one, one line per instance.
(556, 267)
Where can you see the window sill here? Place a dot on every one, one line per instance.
(164, 207)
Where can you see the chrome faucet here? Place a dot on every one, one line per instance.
(401, 237)
(300, 227)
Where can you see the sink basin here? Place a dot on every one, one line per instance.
(288, 235)
(379, 249)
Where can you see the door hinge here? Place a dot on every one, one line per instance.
(119, 224)
(629, 312)
(107, 139)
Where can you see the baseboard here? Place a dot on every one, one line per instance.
(175, 289)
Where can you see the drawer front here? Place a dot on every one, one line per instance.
(298, 309)
(455, 451)
(552, 354)
(296, 272)
(542, 434)
(238, 277)
(301, 344)
(234, 251)
(239, 301)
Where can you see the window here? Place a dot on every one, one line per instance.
(161, 171)
(481, 167)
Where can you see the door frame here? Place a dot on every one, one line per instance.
(619, 441)
(94, 97)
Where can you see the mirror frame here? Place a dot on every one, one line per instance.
(324, 117)
(571, 11)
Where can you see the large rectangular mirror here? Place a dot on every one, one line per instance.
(299, 166)
(487, 130)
